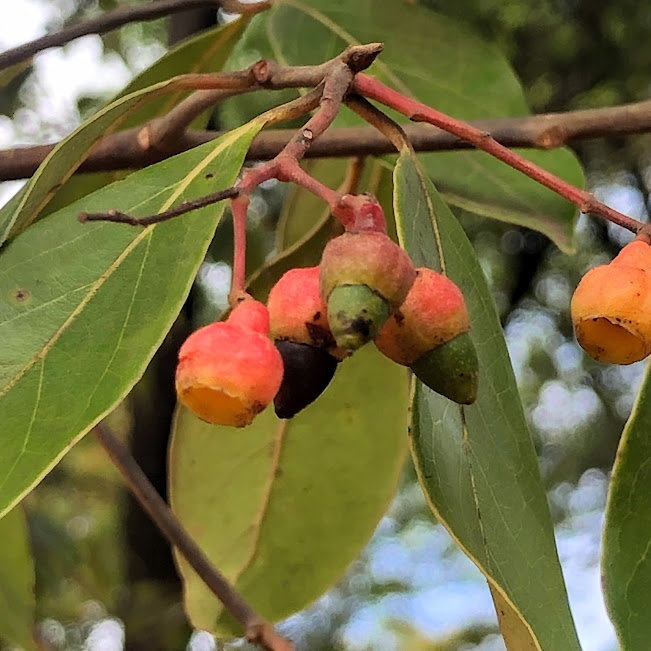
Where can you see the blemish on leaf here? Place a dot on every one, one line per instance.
(21, 295)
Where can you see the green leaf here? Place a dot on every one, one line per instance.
(131, 109)
(16, 582)
(206, 52)
(626, 566)
(477, 464)
(284, 507)
(64, 159)
(84, 306)
(443, 64)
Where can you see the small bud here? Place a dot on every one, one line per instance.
(299, 325)
(611, 307)
(228, 372)
(429, 333)
(371, 275)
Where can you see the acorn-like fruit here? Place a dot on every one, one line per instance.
(429, 333)
(299, 327)
(365, 277)
(611, 307)
(229, 371)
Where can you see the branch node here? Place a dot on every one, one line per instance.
(360, 57)
(262, 70)
(143, 137)
(551, 138)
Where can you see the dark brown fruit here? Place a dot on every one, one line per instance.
(308, 371)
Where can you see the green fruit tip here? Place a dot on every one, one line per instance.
(451, 369)
(356, 313)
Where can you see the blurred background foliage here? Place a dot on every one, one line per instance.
(105, 579)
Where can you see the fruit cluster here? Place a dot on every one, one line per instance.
(611, 307)
(365, 288)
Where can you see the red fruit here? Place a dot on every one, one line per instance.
(429, 333)
(433, 313)
(365, 277)
(297, 311)
(228, 372)
(299, 325)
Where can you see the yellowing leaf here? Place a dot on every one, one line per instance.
(284, 507)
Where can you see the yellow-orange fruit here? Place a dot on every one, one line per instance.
(228, 372)
(611, 307)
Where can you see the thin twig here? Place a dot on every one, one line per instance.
(390, 129)
(258, 630)
(160, 132)
(419, 112)
(123, 150)
(289, 111)
(176, 120)
(285, 166)
(187, 206)
(121, 16)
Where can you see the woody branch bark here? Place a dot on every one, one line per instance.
(127, 150)
(336, 77)
(284, 166)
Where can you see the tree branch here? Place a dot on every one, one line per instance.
(373, 88)
(123, 150)
(118, 17)
(258, 630)
(338, 74)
